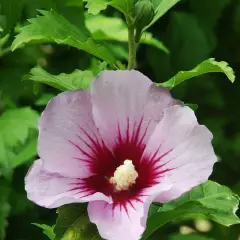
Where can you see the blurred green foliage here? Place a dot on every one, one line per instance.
(192, 31)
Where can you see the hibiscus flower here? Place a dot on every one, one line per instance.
(120, 147)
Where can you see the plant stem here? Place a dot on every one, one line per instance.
(132, 48)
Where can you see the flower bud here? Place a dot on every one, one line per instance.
(143, 13)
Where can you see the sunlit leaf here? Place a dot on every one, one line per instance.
(75, 80)
(115, 29)
(207, 66)
(52, 27)
(47, 230)
(97, 66)
(73, 223)
(95, 6)
(213, 196)
(210, 200)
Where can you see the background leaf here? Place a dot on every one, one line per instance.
(182, 34)
(4, 208)
(28, 152)
(15, 126)
(193, 236)
(115, 29)
(10, 12)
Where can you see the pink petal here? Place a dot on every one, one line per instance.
(52, 190)
(124, 222)
(68, 135)
(180, 148)
(127, 106)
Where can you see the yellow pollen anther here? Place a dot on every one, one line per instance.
(124, 176)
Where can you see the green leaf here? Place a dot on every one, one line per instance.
(123, 6)
(15, 126)
(186, 33)
(3, 49)
(192, 236)
(209, 13)
(22, 205)
(47, 230)
(207, 66)
(147, 38)
(157, 220)
(115, 29)
(73, 223)
(213, 196)
(97, 66)
(161, 7)
(121, 52)
(2, 23)
(5, 155)
(209, 199)
(4, 207)
(44, 99)
(75, 80)
(95, 6)
(53, 27)
(27, 153)
(193, 106)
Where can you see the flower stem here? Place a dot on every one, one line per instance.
(132, 47)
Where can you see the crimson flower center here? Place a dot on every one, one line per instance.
(124, 176)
